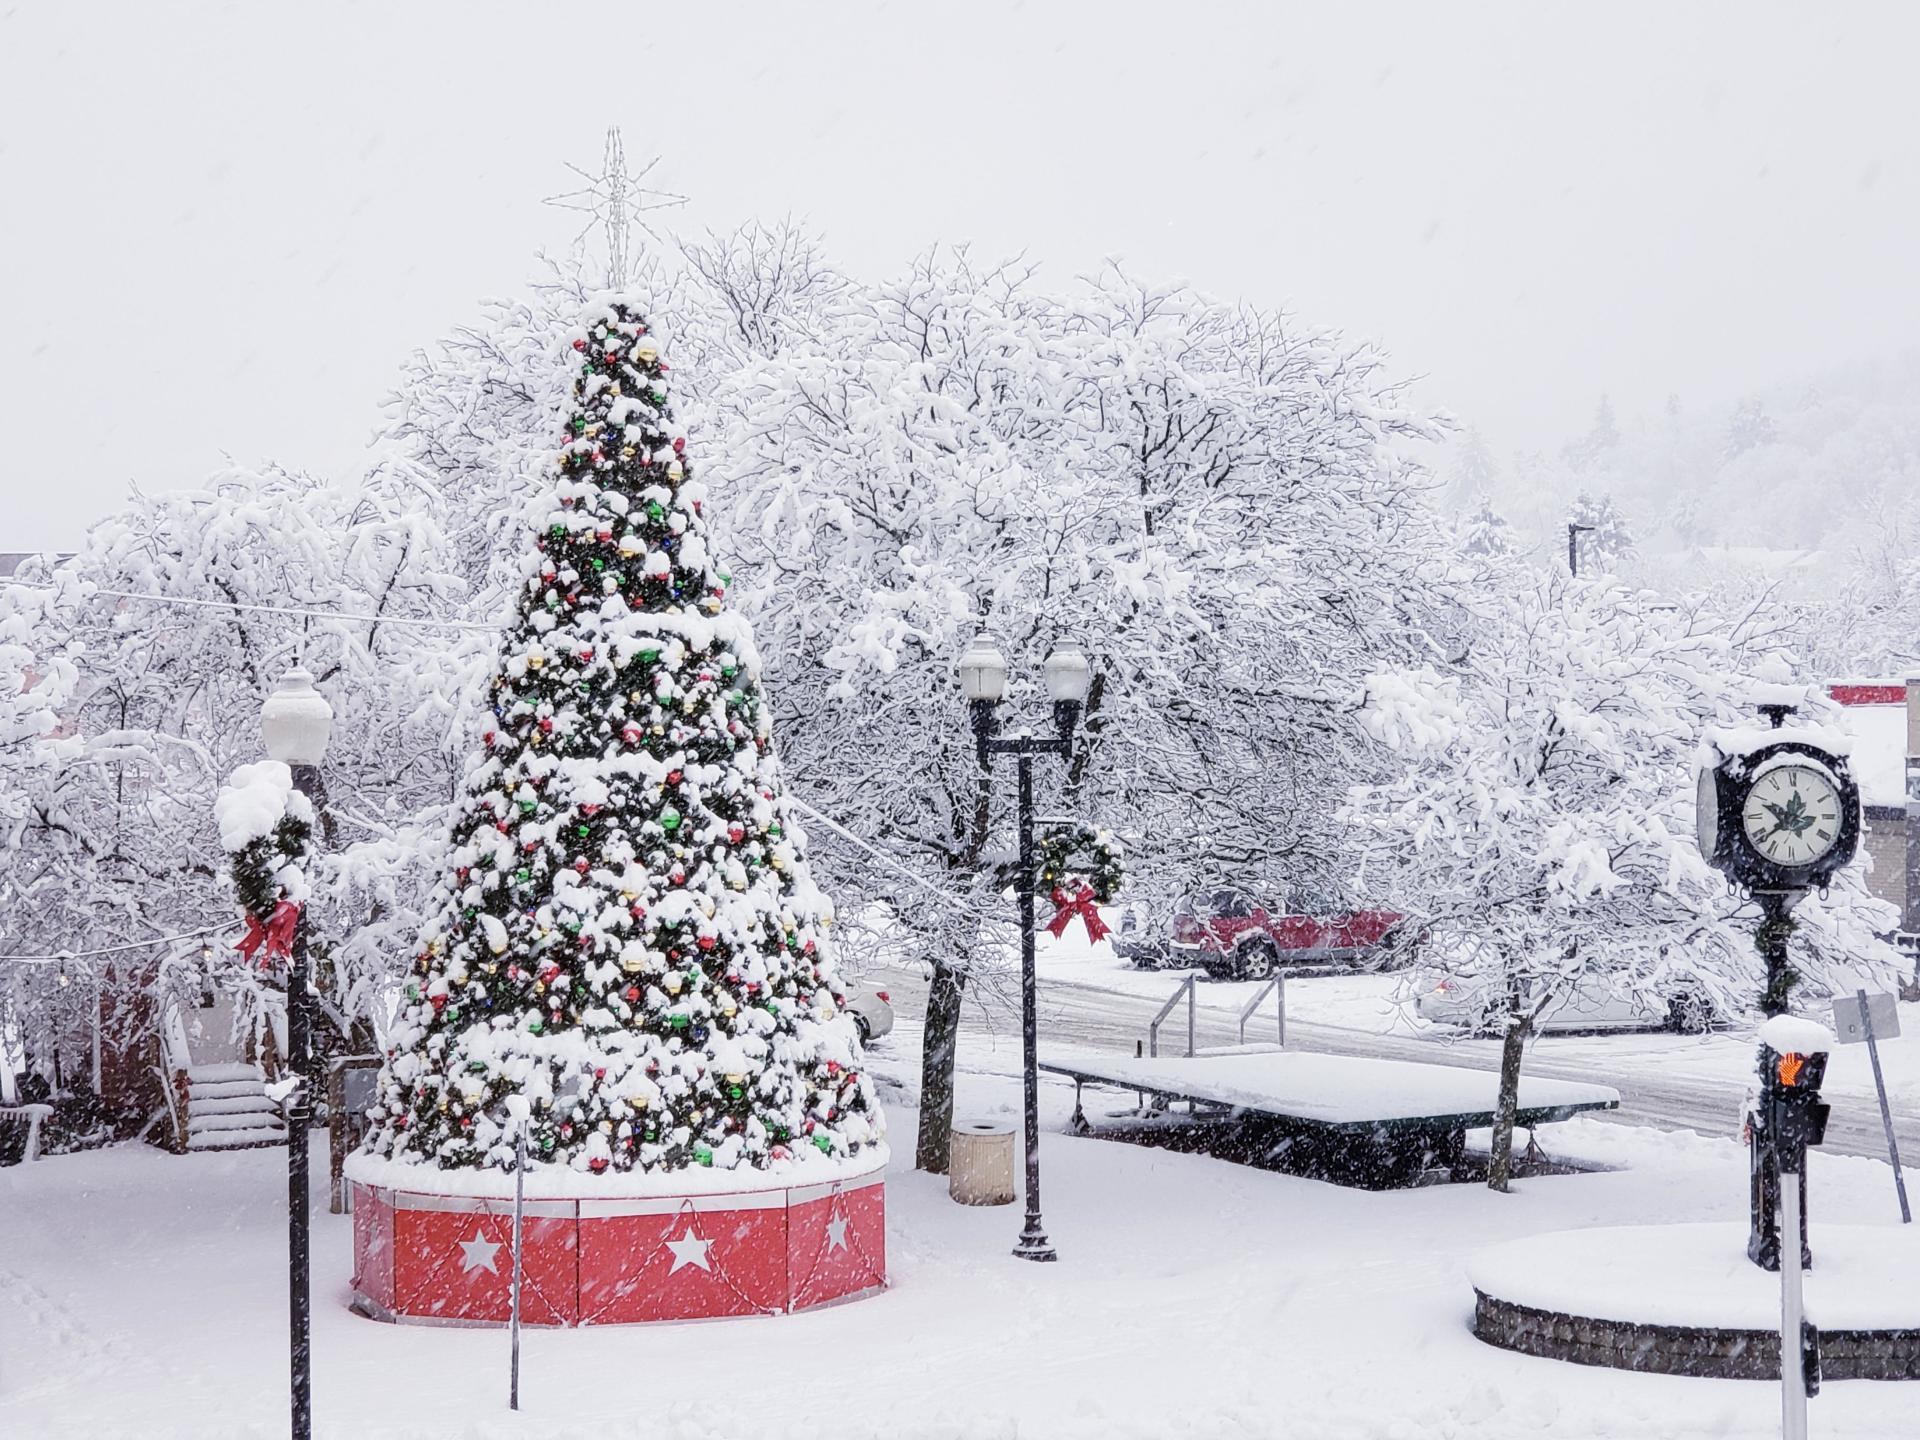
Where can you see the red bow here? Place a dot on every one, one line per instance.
(1069, 906)
(276, 934)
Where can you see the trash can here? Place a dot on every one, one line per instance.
(980, 1163)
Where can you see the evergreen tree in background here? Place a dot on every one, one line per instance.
(628, 936)
(1606, 541)
(1483, 531)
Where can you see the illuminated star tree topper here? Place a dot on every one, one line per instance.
(616, 199)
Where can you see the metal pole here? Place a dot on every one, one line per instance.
(1886, 1115)
(299, 1112)
(513, 1303)
(1763, 1173)
(1573, 559)
(1280, 1004)
(1033, 1239)
(1793, 1379)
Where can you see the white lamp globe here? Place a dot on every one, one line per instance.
(1067, 672)
(295, 720)
(983, 671)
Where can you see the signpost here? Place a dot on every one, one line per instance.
(1871, 1018)
(513, 1299)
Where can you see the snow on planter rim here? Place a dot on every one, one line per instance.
(559, 1182)
(1864, 1277)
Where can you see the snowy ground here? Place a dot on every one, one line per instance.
(141, 1295)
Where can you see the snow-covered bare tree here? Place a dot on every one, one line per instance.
(1544, 815)
(110, 832)
(1209, 498)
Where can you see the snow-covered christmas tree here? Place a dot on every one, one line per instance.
(628, 936)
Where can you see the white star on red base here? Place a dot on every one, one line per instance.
(836, 1234)
(689, 1250)
(478, 1254)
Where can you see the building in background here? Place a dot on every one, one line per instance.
(1885, 720)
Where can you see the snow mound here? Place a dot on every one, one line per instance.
(1864, 1277)
(251, 804)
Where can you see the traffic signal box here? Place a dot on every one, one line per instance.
(1790, 1097)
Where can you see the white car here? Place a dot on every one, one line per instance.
(872, 1012)
(1477, 1002)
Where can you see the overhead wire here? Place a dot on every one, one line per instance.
(428, 622)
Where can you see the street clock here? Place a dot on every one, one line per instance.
(1784, 815)
(1778, 814)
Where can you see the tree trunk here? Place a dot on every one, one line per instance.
(1500, 1168)
(939, 1047)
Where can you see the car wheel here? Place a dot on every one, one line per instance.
(1689, 1014)
(866, 1031)
(1256, 962)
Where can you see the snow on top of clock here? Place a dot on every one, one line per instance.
(1725, 742)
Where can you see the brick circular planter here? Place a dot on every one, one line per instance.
(596, 1256)
(1684, 1300)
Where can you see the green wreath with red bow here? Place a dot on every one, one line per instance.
(261, 870)
(1081, 867)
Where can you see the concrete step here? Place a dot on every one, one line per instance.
(261, 1118)
(199, 1090)
(236, 1139)
(256, 1099)
(223, 1072)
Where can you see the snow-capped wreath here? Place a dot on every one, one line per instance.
(265, 826)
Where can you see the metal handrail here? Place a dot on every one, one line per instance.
(1279, 986)
(1153, 1030)
(173, 1108)
(33, 1115)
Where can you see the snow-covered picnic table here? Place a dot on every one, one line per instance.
(1387, 1116)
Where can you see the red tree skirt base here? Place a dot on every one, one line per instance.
(448, 1259)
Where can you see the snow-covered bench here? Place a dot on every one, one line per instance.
(1377, 1122)
(31, 1116)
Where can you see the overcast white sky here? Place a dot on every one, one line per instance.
(222, 225)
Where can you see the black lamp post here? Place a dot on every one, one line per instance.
(983, 677)
(1573, 546)
(296, 723)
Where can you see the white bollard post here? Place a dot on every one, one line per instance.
(1793, 1380)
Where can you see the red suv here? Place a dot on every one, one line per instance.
(1234, 938)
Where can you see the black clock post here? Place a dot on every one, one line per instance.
(1778, 815)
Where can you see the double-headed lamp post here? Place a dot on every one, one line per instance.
(983, 678)
(296, 722)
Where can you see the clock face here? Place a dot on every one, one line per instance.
(1792, 815)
